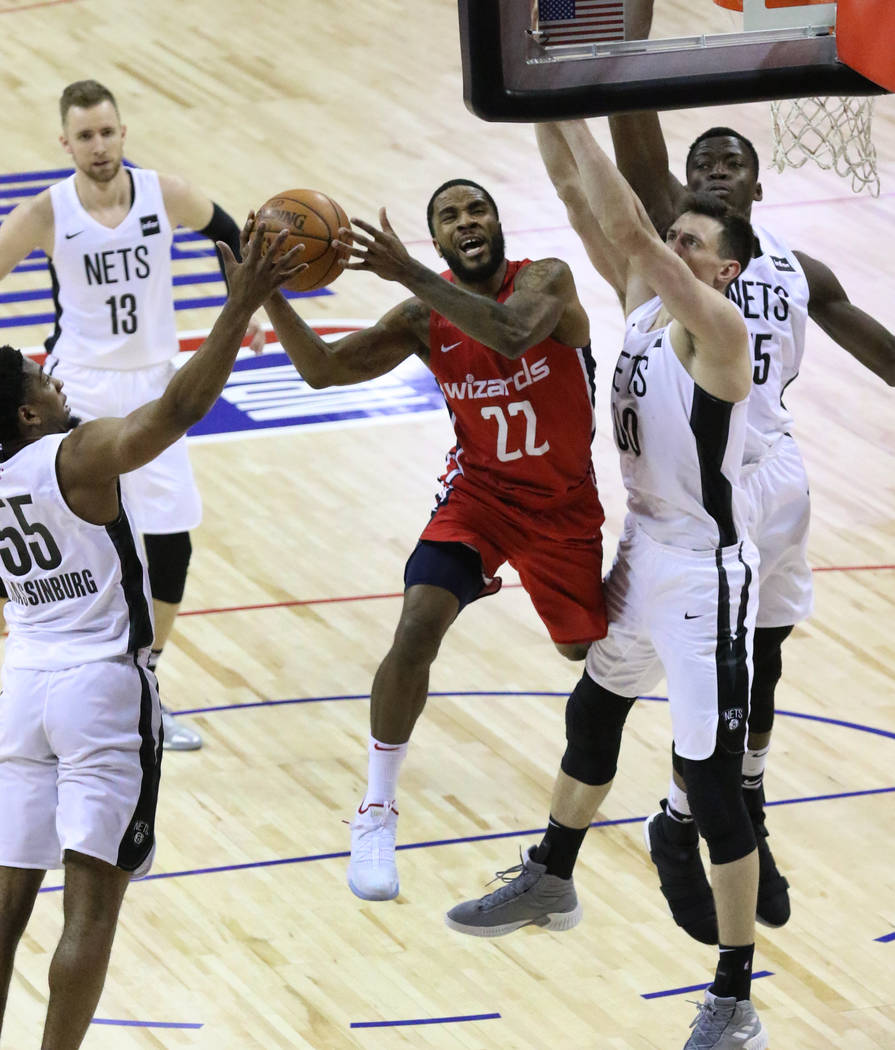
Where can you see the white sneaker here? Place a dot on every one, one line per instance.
(178, 736)
(372, 873)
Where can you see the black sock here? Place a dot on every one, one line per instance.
(558, 848)
(734, 974)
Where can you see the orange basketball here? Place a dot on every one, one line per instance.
(312, 219)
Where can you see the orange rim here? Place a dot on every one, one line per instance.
(731, 5)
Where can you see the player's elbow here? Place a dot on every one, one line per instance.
(513, 341)
(314, 380)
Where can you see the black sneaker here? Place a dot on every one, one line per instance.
(674, 848)
(773, 889)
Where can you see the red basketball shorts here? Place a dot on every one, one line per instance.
(557, 551)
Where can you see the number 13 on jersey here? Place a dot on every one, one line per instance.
(530, 447)
(123, 310)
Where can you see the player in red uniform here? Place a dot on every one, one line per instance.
(508, 343)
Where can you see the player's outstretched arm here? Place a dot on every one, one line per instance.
(630, 235)
(566, 179)
(716, 350)
(853, 329)
(98, 451)
(642, 157)
(544, 303)
(28, 226)
(638, 142)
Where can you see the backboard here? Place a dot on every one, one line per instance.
(528, 60)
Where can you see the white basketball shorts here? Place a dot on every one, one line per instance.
(691, 615)
(79, 764)
(161, 496)
(777, 487)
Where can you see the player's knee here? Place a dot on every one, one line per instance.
(419, 633)
(167, 560)
(715, 794)
(595, 719)
(767, 667)
(572, 650)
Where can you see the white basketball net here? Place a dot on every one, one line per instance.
(833, 132)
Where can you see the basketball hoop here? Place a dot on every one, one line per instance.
(833, 132)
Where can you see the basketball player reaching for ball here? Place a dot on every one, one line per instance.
(680, 594)
(508, 343)
(107, 233)
(777, 293)
(80, 722)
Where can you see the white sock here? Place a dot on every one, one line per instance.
(753, 767)
(383, 767)
(677, 801)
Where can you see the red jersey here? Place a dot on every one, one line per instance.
(524, 428)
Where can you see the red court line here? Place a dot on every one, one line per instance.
(297, 601)
(292, 603)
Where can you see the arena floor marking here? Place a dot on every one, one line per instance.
(460, 840)
(146, 1024)
(292, 602)
(424, 1020)
(696, 987)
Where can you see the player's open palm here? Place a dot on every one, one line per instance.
(380, 251)
(263, 268)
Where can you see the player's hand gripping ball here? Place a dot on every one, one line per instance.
(312, 219)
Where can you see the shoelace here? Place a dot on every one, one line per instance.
(372, 840)
(714, 1019)
(514, 883)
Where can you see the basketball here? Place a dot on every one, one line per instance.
(312, 219)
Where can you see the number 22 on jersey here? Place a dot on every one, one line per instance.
(530, 447)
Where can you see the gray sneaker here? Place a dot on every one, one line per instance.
(530, 897)
(725, 1024)
(178, 735)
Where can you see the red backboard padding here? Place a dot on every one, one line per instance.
(865, 39)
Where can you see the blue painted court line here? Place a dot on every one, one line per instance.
(494, 836)
(26, 267)
(179, 304)
(489, 836)
(212, 277)
(697, 987)
(145, 1024)
(21, 191)
(25, 319)
(822, 719)
(424, 1020)
(37, 176)
(29, 296)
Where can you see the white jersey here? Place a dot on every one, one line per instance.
(681, 448)
(112, 287)
(77, 592)
(772, 295)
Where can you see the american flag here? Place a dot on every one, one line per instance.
(580, 21)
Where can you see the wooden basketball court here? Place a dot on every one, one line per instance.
(247, 935)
